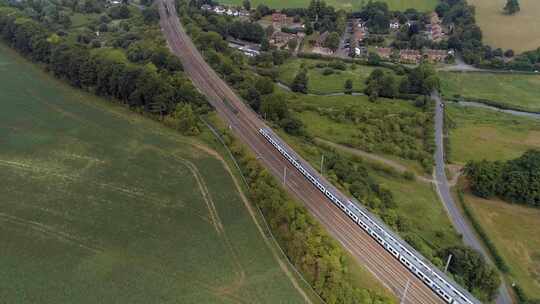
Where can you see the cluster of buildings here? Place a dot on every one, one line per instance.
(409, 56)
(434, 28)
(223, 10)
(280, 38)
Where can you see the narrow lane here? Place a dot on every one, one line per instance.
(443, 189)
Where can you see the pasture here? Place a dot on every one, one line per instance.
(520, 32)
(517, 90)
(100, 205)
(514, 230)
(486, 134)
(318, 83)
(349, 5)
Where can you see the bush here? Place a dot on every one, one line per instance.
(327, 71)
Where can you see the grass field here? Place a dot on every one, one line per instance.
(99, 205)
(342, 133)
(520, 32)
(324, 84)
(514, 229)
(486, 134)
(401, 5)
(521, 91)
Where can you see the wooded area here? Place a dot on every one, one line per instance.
(516, 181)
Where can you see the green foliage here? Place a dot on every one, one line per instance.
(348, 86)
(511, 7)
(184, 120)
(377, 16)
(300, 82)
(332, 41)
(401, 132)
(119, 12)
(471, 269)
(517, 180)
(155, 87)
(382, 83)
(421, 80)
(320, 259)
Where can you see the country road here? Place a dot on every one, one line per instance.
(443, 189)
(245, 124)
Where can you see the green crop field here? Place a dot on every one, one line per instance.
(514, 229)
(521, 91)
(520, 32)
(324, 84)
(400, 5)
(486, 134)
(100, 205)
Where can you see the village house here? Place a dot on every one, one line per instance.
(434, 28)
(410, 56)
(280, 20)
(434, 56)
(384, 53)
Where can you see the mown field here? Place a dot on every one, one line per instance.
(99, 205)
(401, 5)
(486, 134)
(318, 83)
(514, 229)
(521, 91)
(520, 32)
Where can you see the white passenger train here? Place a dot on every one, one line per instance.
(446, 288)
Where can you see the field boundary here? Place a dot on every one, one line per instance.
(268, 235)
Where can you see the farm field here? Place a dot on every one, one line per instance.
(520, 32)
(514, 229)
(100, 205)
(486, 134)
(520, 91)
(324, 84)
(401, 5)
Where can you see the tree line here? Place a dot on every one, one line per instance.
(322, 262)
(153, 82)
(516, 181)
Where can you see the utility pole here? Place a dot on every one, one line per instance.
(284, 175)
(405, 292)
(322, 164)
(448, 263)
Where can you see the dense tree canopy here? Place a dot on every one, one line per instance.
(517, 180)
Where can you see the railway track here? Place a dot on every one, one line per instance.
(245, 124)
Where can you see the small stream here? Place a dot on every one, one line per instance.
(485, 106)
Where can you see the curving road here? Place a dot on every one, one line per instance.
(443, 189)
